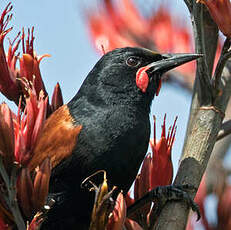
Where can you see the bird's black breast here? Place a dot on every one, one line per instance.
(114, 139)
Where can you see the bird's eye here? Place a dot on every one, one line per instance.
(133, 61)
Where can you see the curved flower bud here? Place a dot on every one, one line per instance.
(143, 186)
(25, 192)
(57, 98)
(41, 184)
(6, 134)
(143, 183)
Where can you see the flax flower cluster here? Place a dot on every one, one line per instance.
(21, 82)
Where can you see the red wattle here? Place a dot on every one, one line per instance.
(142, 78)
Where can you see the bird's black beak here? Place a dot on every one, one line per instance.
(171, 61)
(154, 70)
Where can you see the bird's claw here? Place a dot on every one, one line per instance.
(163, 194)
(160, 195)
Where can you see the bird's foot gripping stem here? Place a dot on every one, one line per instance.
(160, 195)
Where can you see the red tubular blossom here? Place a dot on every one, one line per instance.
(220, 11)
(162, 168)
(29, 63)
(145, 178)
(29, 125)
(118, 217)
(19, 133)
(143, 183)
(12, 56)
(8, 85)
(40, 119)
(156, 170)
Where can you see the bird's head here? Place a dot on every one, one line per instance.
(131, 74)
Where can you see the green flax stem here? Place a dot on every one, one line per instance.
(11, 196)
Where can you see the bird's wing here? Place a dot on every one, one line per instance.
(57, 140)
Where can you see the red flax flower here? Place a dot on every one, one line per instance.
(156, 170)
(31, 193)
(10, 84)
(162, 168)
(29, 63)
(220, 10)
(19, 132)
(28, 125)
(18, 136)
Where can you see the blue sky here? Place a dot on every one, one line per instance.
(60, 30)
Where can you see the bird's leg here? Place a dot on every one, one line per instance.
(160, 195)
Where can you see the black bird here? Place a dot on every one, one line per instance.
(105, 126)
